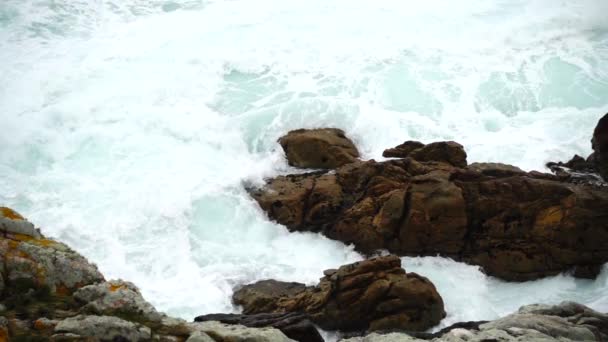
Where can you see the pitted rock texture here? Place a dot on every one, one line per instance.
(323, 148)
(295, 325)
(517, 225)
(566, 322)
(372, 294)
(50, 292)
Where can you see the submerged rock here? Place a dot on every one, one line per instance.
(517, 225)
(323, 148)
(372, 294)
(566, 322)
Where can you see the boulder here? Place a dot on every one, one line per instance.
(517, 225)
(12, 223)
(323, 148)
(593, 170)
(295, 325)
(443, 151)
(372, 294)
(599, 143)
(31, 261)
(566, 322)
(235, 333)
(403, 150)
(116, 297)
(102, 328)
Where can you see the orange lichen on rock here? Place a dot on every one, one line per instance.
(10, 214)
(116, 287)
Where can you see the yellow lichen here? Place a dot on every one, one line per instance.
(10, 214)
(114, 287)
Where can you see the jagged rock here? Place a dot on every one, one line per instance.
(31, 261)
(593, 170)
(262, 297)
(295, 325)
(443, 151)
(599, 143)
(199, 336)
(517, 225)
(403, 150)
(323, 148)
(116, 297)
(237, 333)
(566, 322)
(11, 222)
(372, 294)
(103, 328)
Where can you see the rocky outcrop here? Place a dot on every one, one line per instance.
(564, 322)
(517, 225)
(594, 169)
(295, 325)
(323, 148)
(48, 291)
(373, 294)
(443, 151)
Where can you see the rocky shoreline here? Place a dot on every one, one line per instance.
(517, 225)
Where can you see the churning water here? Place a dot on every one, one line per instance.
(127, 128)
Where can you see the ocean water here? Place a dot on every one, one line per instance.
(128, 128)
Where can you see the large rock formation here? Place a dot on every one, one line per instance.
(567, 322)
(517, 225)
(599, 143)
(324, 148)
(50, 292)
(373, 294)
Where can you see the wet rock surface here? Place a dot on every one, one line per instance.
(323, 148)
(372, 294)
(517, 225)
(592, 170)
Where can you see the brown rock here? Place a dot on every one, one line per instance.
(323, 148)
(599, 142)
(444, 151)
(517, 225)
(359, 296)
(403, 150)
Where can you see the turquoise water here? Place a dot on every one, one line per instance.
(130, 127)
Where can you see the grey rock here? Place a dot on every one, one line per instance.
(104, 328)
(199, 336)
(116, 296)
(13, 223)
(49, 263)
(238, 333)
(375, 337)
(552, 326)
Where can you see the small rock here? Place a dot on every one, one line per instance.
(403, 150)
(323, 148)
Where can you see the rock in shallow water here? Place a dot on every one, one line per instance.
(517, 225)
(372, 294)
(324, 148)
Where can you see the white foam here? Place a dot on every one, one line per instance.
(131, 126)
